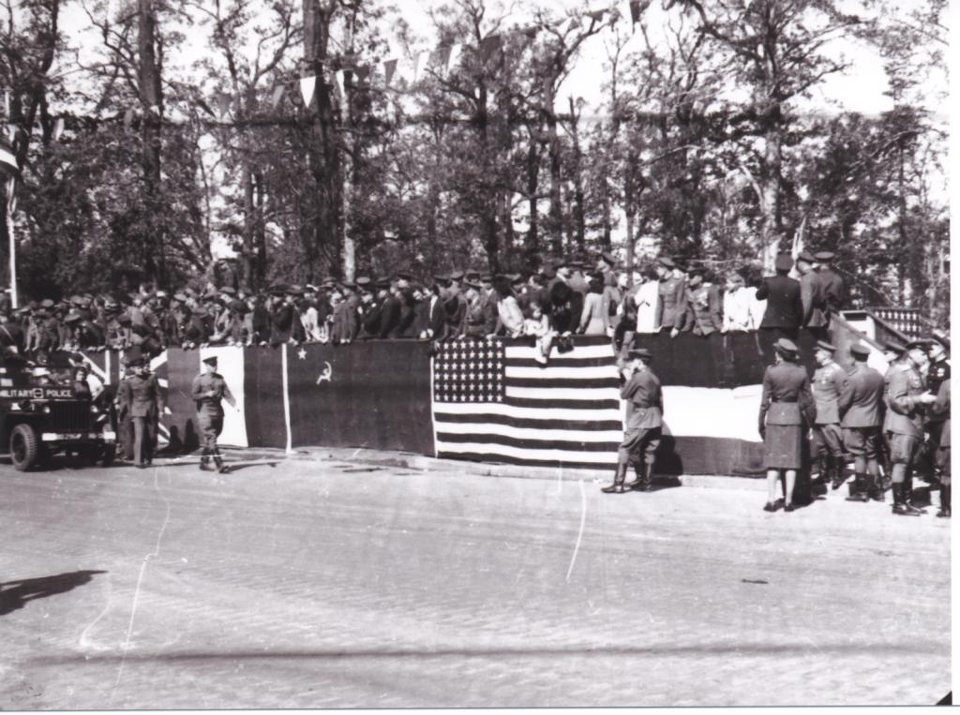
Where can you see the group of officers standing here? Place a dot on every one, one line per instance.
(888, 425)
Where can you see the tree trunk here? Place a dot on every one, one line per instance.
(532, 241)
(151, 99)
(554, 223)
(324, 156)
(769, 191)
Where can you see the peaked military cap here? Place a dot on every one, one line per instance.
(786, 346)
(608, 258)
(824, 256)
(666, 262)
(456, 276)
(826, 346)
(859, 351)
(228, 290)
(383, 283)
(47, 303)
(807, 257)
(211, 360)
(363, 281)
(942, 338)
(641, 353)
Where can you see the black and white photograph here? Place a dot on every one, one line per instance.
(392, 354)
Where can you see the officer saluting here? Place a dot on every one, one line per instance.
(641, 390)
(208, 389)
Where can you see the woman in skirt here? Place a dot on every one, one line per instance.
(786, 405)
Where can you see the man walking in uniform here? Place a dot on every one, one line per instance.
(641, 390)
(828, 382)
(834, 291)
(140, 398)
(208, 389)
(903, 426)
(811, 296)
(861, 410)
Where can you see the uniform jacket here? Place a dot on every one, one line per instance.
(644, 401)
(828, 382)
(702, 309)
(861, 401)
(811, 296)
(204, 383)
(904, 412)
(784, 307)
(942, 408)
(491, 313)
(938, 373)
(833, 289)
(786, 396)
(669, 300)
(140, 396)
(455, 310)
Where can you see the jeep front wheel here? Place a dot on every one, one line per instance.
(24, 447)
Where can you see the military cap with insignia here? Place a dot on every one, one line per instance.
(383, 282)
(824, 256)
(640, 353)
(608, 258)
(807, 257)
(211, 360)
(861, 352)
(47, 303)
(786, 347)
(405, 275)
(824, 345)
(942, 338)
(456, 276)
(666, 262)
(471, 284)
(71, 317)
(363, 281)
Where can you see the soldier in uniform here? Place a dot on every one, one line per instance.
(938, 372)
(906, 398)
(140, 399)
(641, 390)
(861, 414)
(702, 303)
(785, 407)
(942, 407)
(828, 381)
(811, 296)
(669, 297)
(208, 390)
(784, 311)
(833, 289)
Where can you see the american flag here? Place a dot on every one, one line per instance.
(492, 401)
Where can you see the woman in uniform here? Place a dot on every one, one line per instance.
(786, 406)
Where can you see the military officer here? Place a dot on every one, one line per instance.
(861, 413)
(669, 296)
(786, 405)
(208, 390)
(702, 305)
(942, 407)
(828, 381)
(641, 390)
(811, 296)
(938, 372)
(784, 311)
(833, 289)
(906, 398)
(142, 401)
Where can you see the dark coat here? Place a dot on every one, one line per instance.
(389, 317)
(786, 396)
(784, 306)
(833, 288)
(861, 401)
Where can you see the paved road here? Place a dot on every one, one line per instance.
(330, 583)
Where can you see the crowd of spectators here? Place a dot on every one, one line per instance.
(563, 298)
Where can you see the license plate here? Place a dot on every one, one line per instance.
(72, 435)
(107, 435)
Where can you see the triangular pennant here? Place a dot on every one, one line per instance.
(389, 70)
(277, 96)
(489, 47)
(420, 66)
(58, 128)
(307, 85)
(453, 58)
(224, 100)
(128, 119)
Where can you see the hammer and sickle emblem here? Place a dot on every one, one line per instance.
(326, 375)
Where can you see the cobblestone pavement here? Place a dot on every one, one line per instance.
(334, 583)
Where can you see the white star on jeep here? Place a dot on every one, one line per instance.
(302, 354)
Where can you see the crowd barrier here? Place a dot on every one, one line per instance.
(488, 402)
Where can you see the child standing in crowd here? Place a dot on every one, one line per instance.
(538, 326)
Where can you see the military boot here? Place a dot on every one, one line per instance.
(204, 461)
(908, 497)
(944, 512)
(876, 488)
(838, 475)
(638, 482)
(860, 490)
(617, 486)
(218, 461)
(900, 506)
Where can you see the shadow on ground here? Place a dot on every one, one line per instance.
(15, 595)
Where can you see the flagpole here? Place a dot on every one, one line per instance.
(13, 255)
